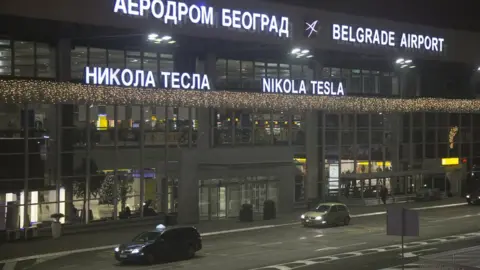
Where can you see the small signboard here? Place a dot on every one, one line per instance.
(402, 222)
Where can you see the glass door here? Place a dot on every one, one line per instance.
(204, 202)
(217, 202)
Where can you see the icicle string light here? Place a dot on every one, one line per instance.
(44, 92)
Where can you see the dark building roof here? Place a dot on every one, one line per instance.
(460, 14)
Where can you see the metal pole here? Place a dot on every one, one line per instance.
(142, 169)
(165, 167)
(58, 155)
(86, 210)
(322, 161)
(115, 166)
(190, 127)
(403, 233)
(26, 223)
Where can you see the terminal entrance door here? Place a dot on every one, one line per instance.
(212, 202)
(223, 199)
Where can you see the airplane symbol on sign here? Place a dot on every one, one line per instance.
(312, 27)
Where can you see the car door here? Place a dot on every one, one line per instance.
(342, 213)
(333, 215)
(176, 243)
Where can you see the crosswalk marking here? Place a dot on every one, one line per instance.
(301, 263)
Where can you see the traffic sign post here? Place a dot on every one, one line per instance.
(402, 222)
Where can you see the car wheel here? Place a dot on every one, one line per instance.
(190, 252)
(346, 221)
(150, 259)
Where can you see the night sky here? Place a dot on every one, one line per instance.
(457, 14)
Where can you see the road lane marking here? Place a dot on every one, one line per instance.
(453, 218)
(358, 253)
(416, 253)
(70, 252)
(340, 247)
(327, 248)
(270, 244)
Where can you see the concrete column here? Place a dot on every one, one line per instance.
(206, 133)
(396, 127)
(188, 212)
(315, 166)
(311, 149)
(64, 114)
(286, 196)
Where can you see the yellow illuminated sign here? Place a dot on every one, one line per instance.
(450, 161)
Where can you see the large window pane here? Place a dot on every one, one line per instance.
(97, 57)
(116, 59)
(24, 59)
(356, 82)
(5, 58)
(284, 71)
(259, 74)
(150, 63)
(133, 60)
(385, 84)
(221, 72)
(247, 74)
(233, 74)
(78, 61)
(45, 55)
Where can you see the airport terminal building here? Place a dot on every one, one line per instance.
(198, 108)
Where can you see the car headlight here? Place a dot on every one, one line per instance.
(468, 196)
(117, 249)
(135, 251)
(318, 218)
(302, 216)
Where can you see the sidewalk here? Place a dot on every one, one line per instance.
(207, 228)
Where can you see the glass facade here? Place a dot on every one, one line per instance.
(27, 59)
(63, 154)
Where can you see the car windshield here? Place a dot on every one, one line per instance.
(322, 208)
(146, 237)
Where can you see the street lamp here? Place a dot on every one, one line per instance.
(301, 53)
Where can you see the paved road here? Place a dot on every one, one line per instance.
(392, 260)
(120, 235)
(285, 246)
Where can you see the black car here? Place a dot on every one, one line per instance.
(161, 245)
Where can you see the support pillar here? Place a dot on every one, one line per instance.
(311, 149)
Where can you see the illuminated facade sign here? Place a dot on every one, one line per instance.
(177, 12)
(311, 28)
(145, 79)
(381, 37)
(302, 87)
(450, 161)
